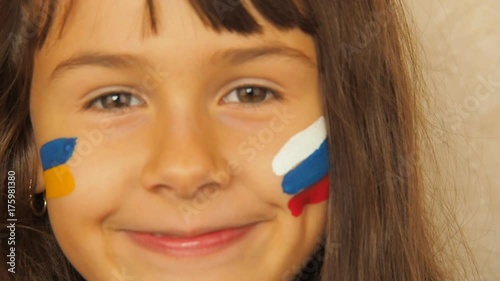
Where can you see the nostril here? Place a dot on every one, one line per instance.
(208, 191)
(182, 161)
(183, 176)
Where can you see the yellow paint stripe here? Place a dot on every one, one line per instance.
(58, 181)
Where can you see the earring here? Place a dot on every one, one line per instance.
(32, 200)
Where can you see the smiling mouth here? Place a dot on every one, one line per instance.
(191, 245)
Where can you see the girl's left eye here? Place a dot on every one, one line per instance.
(250, 95)
(115, 100)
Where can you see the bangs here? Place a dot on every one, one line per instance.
(219, 15)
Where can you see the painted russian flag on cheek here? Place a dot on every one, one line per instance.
(57, 174)
(303, 161)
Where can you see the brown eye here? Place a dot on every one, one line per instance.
(116, 100)
(249, 94)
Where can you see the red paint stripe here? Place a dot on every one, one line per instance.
(315, 194)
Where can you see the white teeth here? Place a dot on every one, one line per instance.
(157, 235)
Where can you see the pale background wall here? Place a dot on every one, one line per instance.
(461, 41)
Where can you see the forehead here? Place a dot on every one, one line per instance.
(126, 27)
(100, 22)
(244, 17)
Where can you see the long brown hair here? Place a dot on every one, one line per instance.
(378, 227)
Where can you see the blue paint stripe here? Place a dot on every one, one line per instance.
(57, 152)
(310, 171)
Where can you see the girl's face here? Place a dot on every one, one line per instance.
(171, 177)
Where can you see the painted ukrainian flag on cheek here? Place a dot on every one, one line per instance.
(58, 178)
(303, 161)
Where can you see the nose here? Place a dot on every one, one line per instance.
(183, 157)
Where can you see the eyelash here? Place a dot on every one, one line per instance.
(269, 94)
(129, 95)
(120, 94)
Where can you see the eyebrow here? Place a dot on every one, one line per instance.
(232, 56)
(113, 61)
(240, 56)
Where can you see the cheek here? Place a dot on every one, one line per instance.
(104, 170)
(55, 155)
(104, 176)
(286, 168)
(251, 155)
(303, 163)
(100, 161)
(258, 178)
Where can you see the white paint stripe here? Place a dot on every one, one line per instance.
(299, 147)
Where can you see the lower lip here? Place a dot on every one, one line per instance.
(196, 246)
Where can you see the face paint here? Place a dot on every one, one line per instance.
(58, 178)
(299, 147)
(310, 171)
(312, 195)
(303, 161)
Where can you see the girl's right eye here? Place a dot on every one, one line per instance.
(116, 100)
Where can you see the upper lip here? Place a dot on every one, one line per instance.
(194, 231)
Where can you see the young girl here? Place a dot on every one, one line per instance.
(211, 140)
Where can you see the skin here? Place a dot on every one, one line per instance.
(182, 157)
